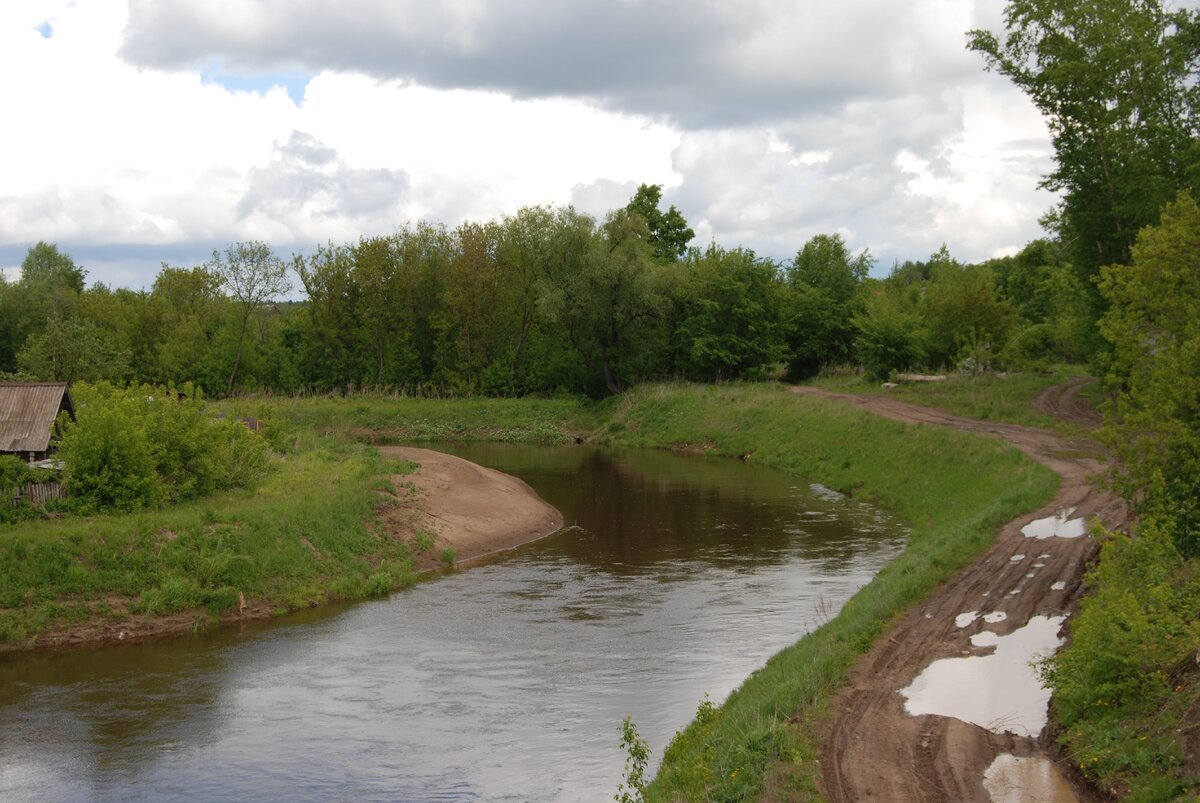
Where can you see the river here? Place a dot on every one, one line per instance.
(674, 578)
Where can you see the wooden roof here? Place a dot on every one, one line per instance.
(27, 414)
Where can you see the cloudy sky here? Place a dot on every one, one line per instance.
(143, 131)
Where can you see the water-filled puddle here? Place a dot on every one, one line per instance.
(965, 619)
(1058, 586)
(1011, 779)
(1000, 691)
(1060, 526)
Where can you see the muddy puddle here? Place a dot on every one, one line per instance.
(1012, 779)
(1060, 526)
(999, 691)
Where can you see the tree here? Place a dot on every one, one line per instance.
(44, 264)
(1116, 80)
(669, 232)
(600, 292)
(825, 279)
(252, 273)
(729, 314)
(72, 349)
(1153, 323)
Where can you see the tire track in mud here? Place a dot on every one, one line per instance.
(875, 750)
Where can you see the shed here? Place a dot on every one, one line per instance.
(28, 412)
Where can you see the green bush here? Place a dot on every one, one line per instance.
(1127, 679)
(138, 446)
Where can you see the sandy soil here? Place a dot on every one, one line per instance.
(875, 750)
(473, 510)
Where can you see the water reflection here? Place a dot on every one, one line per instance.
(677, 578)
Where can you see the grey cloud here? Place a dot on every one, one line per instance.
(307, 179)
(699, 64)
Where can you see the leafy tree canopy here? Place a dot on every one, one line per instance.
(669, 232)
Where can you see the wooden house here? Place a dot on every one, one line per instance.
(28, 412)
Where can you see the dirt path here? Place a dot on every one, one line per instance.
(472, 510)
(878, 752)
(1062, 401)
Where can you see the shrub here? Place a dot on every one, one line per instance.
(141, 445)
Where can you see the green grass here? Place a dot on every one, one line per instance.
(301, 538)
(954, 489)
(390, 419)
(988, 397)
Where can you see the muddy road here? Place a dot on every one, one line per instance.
(876, 750)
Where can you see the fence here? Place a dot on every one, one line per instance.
(36, 493)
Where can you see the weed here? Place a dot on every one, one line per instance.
(632, 788)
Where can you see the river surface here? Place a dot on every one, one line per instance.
(674, 578)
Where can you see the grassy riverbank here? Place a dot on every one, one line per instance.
(301, 538)
(954, 489)
(305, 536)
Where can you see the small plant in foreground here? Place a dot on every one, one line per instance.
(448, 556)
(423, 541)
(637, 752)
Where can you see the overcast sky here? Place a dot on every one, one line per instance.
(142, 131)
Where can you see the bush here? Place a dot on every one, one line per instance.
(142, 445)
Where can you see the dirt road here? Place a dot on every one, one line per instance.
(875, 750)
(472, 510)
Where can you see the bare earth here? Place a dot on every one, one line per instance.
(473, 510)
(875, 750)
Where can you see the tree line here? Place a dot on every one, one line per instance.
(545, 300)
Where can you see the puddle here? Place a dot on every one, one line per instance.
(1016, 558)
(1001, 691)
(964, 619)
(1059, 586)
(1060, 526)
(995, 617)
(1019, 780)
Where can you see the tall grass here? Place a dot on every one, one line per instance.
(954, 489)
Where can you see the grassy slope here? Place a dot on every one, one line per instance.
(301, 537)
(954, 489)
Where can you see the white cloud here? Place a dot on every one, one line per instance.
(766, 122)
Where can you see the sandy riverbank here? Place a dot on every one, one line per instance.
(472, 510)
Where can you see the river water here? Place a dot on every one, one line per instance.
(675, 578)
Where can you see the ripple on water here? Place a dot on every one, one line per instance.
(1000, 691)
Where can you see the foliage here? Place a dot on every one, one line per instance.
(827, 285)
(71, 350)
(1124, 685)
(637, 753)
(138, 446)
(669, 232)
(890, 336)
(253, 275)
(960, 308)
(1153, 323)
(728, 314)
(1116, 82)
